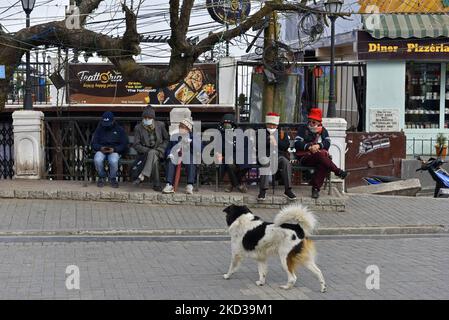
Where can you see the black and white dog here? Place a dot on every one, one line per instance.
(257, 239)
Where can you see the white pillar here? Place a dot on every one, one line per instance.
(336, 128)
(28, 144)
(226, 81)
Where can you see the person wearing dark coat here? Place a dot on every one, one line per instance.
(150, 137)
(312, 144)
(235, 171)
(280, 142)
(109, 142)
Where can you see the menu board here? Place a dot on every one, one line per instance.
(103, 84)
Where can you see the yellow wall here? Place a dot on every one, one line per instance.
(406, 6)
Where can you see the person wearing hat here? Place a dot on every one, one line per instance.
(280, 143)
(109, 142)
(150, 138)
(312, 144)
(184, 143)
(235, 171)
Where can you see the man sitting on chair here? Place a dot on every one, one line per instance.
(312, 145)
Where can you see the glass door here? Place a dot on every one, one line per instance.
(446, 103)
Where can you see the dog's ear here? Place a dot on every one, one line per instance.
(227, 209)
(246, 209)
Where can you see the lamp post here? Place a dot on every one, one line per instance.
(28, 6)
(333, 7)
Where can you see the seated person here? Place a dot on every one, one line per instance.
(280, 142)
(150, 137)
(312, 145)
(236, 171)
(174, 156)
(109, 141)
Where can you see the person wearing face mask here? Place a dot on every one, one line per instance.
(150, 138)
(109, 142)
(278, 141)
(312, 144)
(235, 171)
(174, 155)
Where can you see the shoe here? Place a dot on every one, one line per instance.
(189, 189)
(261, 196)
(168, 189)
(242, 188)
(157, 188)
(315, 193)
(136, 182)
(229, 188)
(289, 194)
(100, 183)
(343, 174)
(114, 183)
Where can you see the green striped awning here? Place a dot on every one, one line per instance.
(407, 25)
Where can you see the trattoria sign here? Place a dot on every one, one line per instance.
(402, 49)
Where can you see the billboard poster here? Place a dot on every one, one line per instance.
(103, 84)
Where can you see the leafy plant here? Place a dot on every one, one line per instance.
(441, 139)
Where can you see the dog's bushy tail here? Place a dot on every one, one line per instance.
(299, 214)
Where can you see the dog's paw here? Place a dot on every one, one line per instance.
(286, 287)
(323, 289)
(260, 283)
(226, 276)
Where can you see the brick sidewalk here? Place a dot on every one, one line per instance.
(67, 215)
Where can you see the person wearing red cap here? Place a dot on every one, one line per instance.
(280, 142)
(312, 144)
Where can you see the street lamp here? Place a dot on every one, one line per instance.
(333, 8)
(28, 6)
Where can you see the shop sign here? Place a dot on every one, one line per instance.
(401, 49)
(102, 84)
(2, 72)
(384, 120)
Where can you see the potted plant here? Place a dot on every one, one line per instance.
(441, 146)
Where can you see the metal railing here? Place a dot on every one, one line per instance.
(312, 90)
(421, 147)
(6, 149)
(68, 144)
(40, 84)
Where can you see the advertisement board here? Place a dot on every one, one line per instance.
(103, 84)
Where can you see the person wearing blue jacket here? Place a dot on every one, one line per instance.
(174, 155)
(109, 142)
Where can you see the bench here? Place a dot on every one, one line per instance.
(295, 166)
(127, 160)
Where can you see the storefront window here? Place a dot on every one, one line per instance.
(423, 83)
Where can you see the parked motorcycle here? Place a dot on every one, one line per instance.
(438, 174)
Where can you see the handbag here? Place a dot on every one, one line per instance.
(138, 165)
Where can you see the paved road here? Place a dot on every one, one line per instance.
(52, 215)
(414, 268)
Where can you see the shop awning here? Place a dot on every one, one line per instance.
(407, 26)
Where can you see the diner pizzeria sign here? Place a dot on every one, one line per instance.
(401, 49)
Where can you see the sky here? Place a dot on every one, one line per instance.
(153, 19)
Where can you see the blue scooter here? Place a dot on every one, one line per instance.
(438, 174)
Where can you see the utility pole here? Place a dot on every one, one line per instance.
(269, 88)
